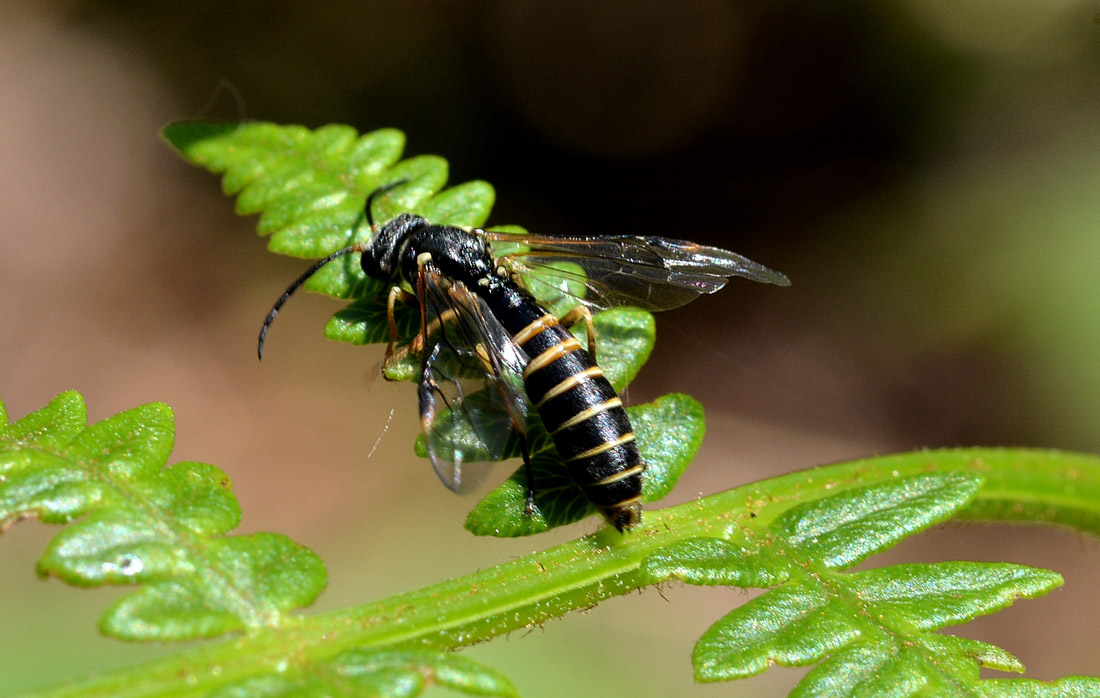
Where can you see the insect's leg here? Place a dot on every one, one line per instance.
(396, 293)
(581, 312)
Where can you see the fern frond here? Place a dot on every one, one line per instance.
(876, 626)
(310, 186)
(870, 632)
(363, 672)
(163, 529)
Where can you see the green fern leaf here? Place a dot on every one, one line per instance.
(871, 632)
(310, 188)
(625, 338)
(851, 526)
(1068, 687)
(390, 673)
(143, 523)
(896, 651)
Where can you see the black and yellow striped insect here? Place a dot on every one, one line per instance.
(490, 354)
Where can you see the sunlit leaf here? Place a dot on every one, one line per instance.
(162, 528)
(871, 632)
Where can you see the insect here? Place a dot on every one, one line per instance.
(491, 354)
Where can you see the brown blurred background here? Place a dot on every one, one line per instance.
(925, 172)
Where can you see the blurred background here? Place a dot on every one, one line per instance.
(925, 171)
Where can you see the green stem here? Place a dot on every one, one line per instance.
(1043, 486)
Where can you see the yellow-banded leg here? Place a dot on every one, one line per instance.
(397, 293)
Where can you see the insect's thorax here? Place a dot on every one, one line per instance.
(405, 243)
(458, 254)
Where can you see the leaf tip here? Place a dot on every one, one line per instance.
(183, 135)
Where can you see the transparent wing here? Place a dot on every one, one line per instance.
(652, 273)
(472, 401)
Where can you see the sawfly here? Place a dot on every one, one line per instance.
(491, 355)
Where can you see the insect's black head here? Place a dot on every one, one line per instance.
(380, 258)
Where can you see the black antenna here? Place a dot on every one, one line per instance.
(377, 193)
(358, 247)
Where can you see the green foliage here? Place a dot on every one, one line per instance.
(868, 629)
(309, 188)
(403, 674)
(870, 632)
(144, 524)
(867, 632)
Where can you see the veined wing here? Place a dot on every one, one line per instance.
(471, 393)
(652, 273)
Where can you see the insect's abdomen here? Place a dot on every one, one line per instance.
(582, 413)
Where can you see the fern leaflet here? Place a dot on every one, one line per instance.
(162, 528)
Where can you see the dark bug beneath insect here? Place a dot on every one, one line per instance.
(491, 354)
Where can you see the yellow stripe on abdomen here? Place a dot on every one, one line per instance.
(624, 439)
(551, 355)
